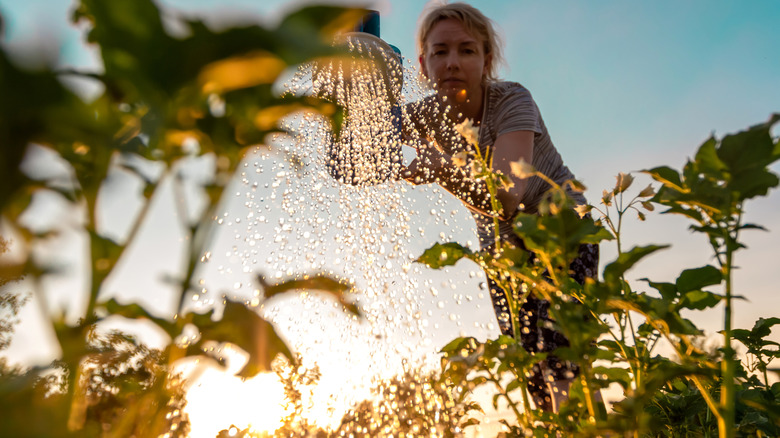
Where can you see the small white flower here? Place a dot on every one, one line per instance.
(647, 192)
(469, 132)
(460, 158)
(606, 198)
(583, 209)
(522, 169)
(624, 181)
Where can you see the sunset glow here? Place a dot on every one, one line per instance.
(216, 400)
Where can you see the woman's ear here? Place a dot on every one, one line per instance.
(421, 60)
(488, 63)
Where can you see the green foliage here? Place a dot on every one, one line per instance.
(614, 329)
(414, 403)
(711, 191)
(680, 410)
(165, 98)
(121, 389)
(760, 351)
(468, 363)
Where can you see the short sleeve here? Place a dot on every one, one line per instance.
(516, 111)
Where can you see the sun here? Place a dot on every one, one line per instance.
(216, 400)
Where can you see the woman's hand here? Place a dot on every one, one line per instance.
(434, 165)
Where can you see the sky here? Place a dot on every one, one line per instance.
(622, 86)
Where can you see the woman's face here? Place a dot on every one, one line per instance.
(455, 61)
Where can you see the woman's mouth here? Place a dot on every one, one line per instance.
(452, 82)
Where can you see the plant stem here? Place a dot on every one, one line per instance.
(727, 396)
(97, 276)
(523, 417)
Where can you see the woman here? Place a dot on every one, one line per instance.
(459, 53)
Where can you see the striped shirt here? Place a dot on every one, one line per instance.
(509, 107)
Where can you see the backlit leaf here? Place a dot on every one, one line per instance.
(248, 70)
(667, 176)
(136, 311)
(626, 260)
(244, 328)
(700, 300)
(441, 255)
(698, 278)
(668, 290)
(323, 283)
(707, 159)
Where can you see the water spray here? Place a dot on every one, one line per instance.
(367, 83)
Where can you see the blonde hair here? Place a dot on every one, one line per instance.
(475, 22)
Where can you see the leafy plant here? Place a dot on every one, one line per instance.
(614, 329)
(415, 403)
(165, 98)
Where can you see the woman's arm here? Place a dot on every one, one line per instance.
(434, 165)
(508, 148)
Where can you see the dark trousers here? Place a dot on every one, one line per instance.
(536, 333)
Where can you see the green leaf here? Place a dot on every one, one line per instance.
(749, 149)
(559, 232)
(674, 208)
(698, 278)
(323, 283)
(707, 160)
(700, 300)
(752, 227)
(615, 374)
(316, 282)
(668, 177)
(763, 326)
(668, 290)
(458, 344)
(325, 20)
(514, 384)
(136, 311)
(611, 345)
(742, 335)
(625, 261)
(441, 255)
(37, 108)
(477, 381)
(755, 182)
(244, 328)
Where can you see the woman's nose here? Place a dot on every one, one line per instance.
(453, 62)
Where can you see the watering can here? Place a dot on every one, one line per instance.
(368, 85)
